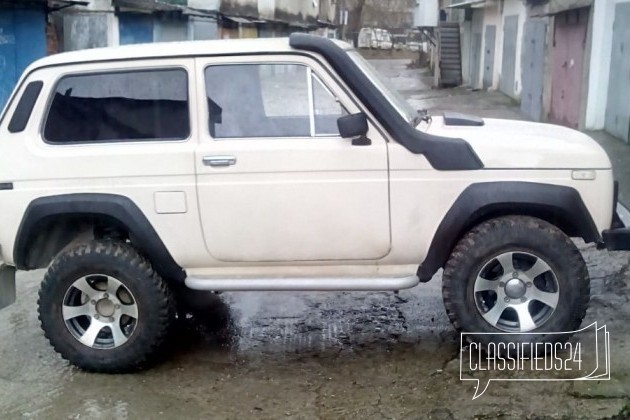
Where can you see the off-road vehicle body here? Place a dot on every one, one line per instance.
(287, 164)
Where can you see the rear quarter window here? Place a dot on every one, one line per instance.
(24, 108)
(119, 106)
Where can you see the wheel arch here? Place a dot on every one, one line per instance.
(559, 205)
(52, 223)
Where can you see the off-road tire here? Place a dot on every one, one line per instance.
(524, 234)
(155, 304)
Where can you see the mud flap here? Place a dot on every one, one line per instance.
(7, 285)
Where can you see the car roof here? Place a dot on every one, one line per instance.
(171, 49)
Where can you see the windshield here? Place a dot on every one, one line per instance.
(394, 98)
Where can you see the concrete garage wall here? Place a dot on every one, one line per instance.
(203, 28)
(205, 4)
(91, 26)
(200, 27)
(618, 104)
(85, 30)
(240, 7)
(166, 30)
(600, 62)
(285, 10)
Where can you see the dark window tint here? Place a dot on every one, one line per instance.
(137, 105)
(25, 107)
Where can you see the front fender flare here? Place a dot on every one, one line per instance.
(559, 205)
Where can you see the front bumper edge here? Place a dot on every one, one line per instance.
(618, 237)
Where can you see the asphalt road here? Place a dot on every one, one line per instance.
(314, 355)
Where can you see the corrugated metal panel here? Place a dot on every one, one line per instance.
(534, 35)
(135, 28)
(488, 56)
(22, 41)
(508, 60)
(618, 107)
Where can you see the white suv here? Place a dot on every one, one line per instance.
(134, 173)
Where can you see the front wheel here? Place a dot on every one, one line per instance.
(516, 274)
(103, 307)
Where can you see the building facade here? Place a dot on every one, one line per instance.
(23, 28)
(29, 29)
(565, 61)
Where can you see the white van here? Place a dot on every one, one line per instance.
(386, 40)
(366, 36)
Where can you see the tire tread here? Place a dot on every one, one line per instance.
(145, 352)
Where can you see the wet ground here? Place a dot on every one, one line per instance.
(317, 355)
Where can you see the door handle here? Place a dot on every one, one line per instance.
(219, 160)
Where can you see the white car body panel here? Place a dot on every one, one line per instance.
(304, 207)
(527, 145)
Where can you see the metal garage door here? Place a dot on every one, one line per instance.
(135, 28)
(568, 61)
(508, 62)
(171, 30)
(475, 53)
(534, 35)
(488, 56)
(22, 40)
(618, 109)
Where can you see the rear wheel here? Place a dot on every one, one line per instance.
(516, 275)
(103, 308)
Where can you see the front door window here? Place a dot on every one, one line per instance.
(269, 100)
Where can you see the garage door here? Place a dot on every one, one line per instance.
(618, 108)
(508, 61)
(567, 65)
(488, 56)
(533, 71)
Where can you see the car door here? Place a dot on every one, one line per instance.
(275, 180)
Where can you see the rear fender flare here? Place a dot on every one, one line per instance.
(117, 207)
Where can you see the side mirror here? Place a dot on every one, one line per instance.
(354, 126)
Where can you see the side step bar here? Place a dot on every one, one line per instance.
(301, 284)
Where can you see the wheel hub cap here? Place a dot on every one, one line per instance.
(105, 307)
(515, 289)
(100, 311)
